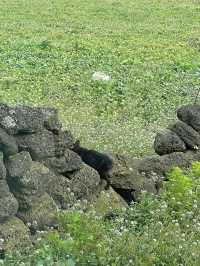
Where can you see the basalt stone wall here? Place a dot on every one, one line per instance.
(41, 173)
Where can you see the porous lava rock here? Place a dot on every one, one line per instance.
(43, 213)
(190, 136)
(14, 234)
(167, 142)
(8, 203)
(43, 169)
(190, 114)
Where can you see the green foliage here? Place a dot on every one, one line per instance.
(157, 231)
(179, 190)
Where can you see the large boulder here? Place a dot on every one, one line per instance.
(125, 174)
(109, 200)
(60, 190)
(31, 184)
(25, 119)
(160, 166)
(190, 114)
(167, 142)
(63, 141)
(17, 165)
(15, 234)
(8, 144)
(8, 203)
(69, 162)
(84, 182)
(40, 145)
(190, 136)
(41, 214)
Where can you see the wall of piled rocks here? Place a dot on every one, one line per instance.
(41, 171)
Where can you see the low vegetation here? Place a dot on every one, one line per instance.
(157, 231)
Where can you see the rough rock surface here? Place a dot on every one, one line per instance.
(69, 162)
(42, 213)
(109, 200)
(84, 182)
(29, 142)
(25, 119)
(15, 234)
(190, 114)
(8, 203)
(8, 144)
(190, 137)
(2, 168)
(167, 141)
(42, 170)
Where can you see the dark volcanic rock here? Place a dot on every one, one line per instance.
(167, 142)
(63, 141)
(60, 190)
(15, 234)
(161, 165)
(42, 213)
(25, 119)
(8, 144)
(40, 145)
(8, 203)
(17, 165)
(190, 114)
(84, 182)
(152, 164)
(32, 184)
(67, 163)
(2, 168)
(125, 173)
(190, 137)
(180, 159)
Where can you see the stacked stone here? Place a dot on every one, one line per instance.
(39, 172)
(178, 145)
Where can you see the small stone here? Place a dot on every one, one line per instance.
(100, 76)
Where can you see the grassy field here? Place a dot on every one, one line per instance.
(151, 49)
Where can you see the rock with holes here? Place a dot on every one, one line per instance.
(14, 234)
(2, 168)
(26, 119)
(17, 165)
(69, 162)
(152, 165)
(190, 114)
(61, 192)
(159, 166)
(109, 200)
(84, 182)
(190, 136)
(8, 203)
(31, 184)
(124, 174)
(8, 144)
(167, 142)
(40, 145)
(41, 214)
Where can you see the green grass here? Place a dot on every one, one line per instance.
(151, 49)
